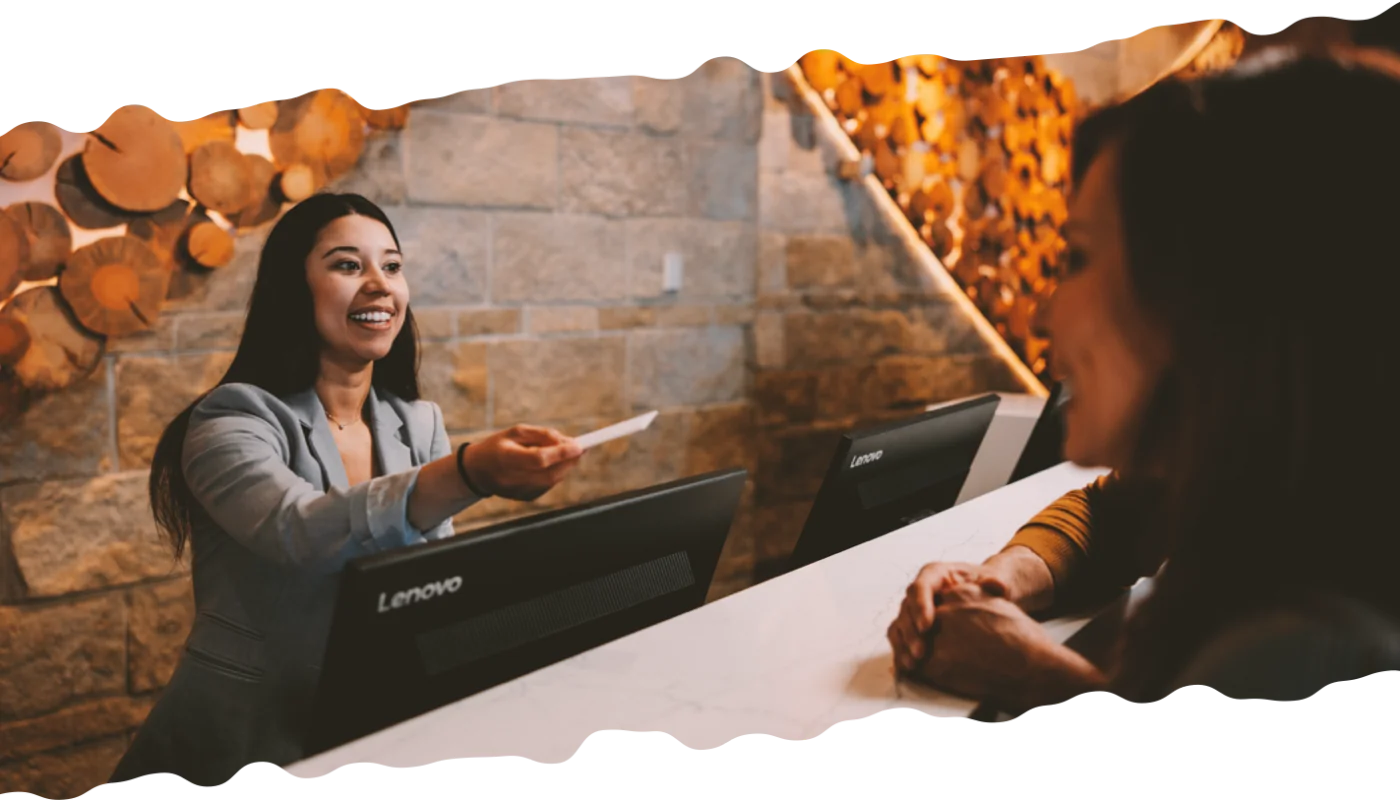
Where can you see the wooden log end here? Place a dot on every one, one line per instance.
(14, 339)
(115, 286)
(258, 117)
(28, 151)
(50, 240)
(209, 245)
(14, 255)
(136, 160)
(217, 127)
(297, 183)
(220, 179)
(60, 352)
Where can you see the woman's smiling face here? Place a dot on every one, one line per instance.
(355, 272)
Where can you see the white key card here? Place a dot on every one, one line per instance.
(621, 429)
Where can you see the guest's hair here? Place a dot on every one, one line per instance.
(1259, 209)
(280, 349)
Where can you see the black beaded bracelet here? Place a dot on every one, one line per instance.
(462, 471)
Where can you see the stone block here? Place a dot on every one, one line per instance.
(472, 101)
(619, 173)
(818, 262)
(159, 620)
(626, 317)
(659, 104)
(435, 324)
(536, 382)
(62, 434)
(723, 100)
(454, 159)
(446, 254)
(77, 724)
(454, 375)
(562, 319)
(73, 536)
(687, 366)
(152, 390)
(55, 653)
(682, 316)
(717, 258)
(379, 174)
(488, 321)
(723, 179)
(545, 258)
(218, 330)
(65, 773)
(591, 101)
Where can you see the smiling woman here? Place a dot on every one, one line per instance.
(314, 448)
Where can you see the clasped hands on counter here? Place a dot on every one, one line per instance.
(967, 629)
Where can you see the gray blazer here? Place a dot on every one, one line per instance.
(280, 522)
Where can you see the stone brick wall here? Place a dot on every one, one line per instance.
(536, 217)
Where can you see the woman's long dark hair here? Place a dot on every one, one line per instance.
(1260, 211)
(280, 350)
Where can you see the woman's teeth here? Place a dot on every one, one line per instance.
(372, 316)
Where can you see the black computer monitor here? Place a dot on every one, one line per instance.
(1046, 446)
(422, 626)
(884, 478)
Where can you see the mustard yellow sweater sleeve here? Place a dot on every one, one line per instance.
(1091, 540)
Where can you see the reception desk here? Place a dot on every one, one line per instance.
(789, 657)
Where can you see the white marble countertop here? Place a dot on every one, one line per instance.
(788, 658)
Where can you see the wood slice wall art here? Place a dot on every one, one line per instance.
(976, 154)
(182, 191)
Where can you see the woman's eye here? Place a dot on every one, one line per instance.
(393, 266)
(347, 264)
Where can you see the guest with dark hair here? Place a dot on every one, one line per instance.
(1223, 324)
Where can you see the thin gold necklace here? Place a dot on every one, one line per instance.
(343, 425)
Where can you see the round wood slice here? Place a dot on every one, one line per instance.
(974, 203)
(887, 164)
(162, 230)
(1024, 169)
(28, 151)
(259, 117)
(849, 96)
(14, 255)
(904, 131)
(917, 211)
(220, 178)
(940, 239)
(217, 127)
(933, 128)
(115, 285)
(209, 245)
(1054, 163)
(81, 203)
(866, 137)
(136, 160)
(932, 97)
(913, 175)
(50, 240)
(969, 160)
(822, 69)
(297, 183)
(886, 111)
(323, 130)
(14, 339)
(60, 351)
(1019, 135)
(385, 119)
(266, 202)
(940, 199)
(877, 79)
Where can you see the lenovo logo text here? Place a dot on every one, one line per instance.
(867, 458)
(418, 594)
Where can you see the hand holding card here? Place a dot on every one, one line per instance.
(617, 431)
